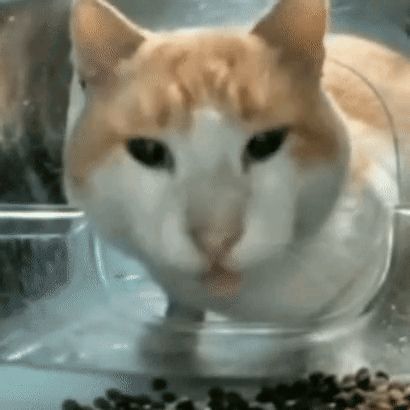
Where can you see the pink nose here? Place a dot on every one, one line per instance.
(216, 243)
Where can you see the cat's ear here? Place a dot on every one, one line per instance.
(101, 38)
(297, 27)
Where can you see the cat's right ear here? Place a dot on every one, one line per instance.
(297, 28)
(102, 37)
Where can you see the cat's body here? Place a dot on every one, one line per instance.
(160, 154)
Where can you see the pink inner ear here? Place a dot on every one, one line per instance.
(102, 36)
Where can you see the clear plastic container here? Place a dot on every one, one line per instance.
(70, 301)
(95, 309)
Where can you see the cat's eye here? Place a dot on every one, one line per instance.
(151, 153)
(263, 145)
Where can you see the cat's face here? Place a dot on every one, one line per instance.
(204, 153)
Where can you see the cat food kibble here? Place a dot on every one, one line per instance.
(102, 404)
(318, 391)
(216, 393)
(159, 384)
(113, 394)
(71, 405)
(169, 397)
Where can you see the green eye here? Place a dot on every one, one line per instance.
(151, 153)
(265, 144)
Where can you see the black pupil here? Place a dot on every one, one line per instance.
(151, 153)
(265, 144)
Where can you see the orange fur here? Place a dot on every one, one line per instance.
(388, 72)
(159, 89)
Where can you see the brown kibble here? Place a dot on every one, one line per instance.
(395, 385)
(343, 397)
(377, 381)
(406, 393)
(348, 378)
(357, 398)
(362, 392)
(396, 395)
(375, 400)
(363, 379)
(382, 388)
(383, 406)
(401, 406)
(348, 385)
(320, 391)
(382, 375)
(378, 396)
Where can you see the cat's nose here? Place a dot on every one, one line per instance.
(216, 243)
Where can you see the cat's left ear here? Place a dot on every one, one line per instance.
(101, 38)
(297, 28)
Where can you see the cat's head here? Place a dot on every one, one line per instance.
(204, 151)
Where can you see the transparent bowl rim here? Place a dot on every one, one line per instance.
(47, 212)
(67, 209)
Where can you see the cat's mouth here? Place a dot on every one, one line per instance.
(221, 281)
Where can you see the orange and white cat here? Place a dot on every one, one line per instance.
(221, 158)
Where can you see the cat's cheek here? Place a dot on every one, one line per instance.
(270, 214)
(140, 206)
(261, 241)
(108, 201)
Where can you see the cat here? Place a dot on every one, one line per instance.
(220, 157)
